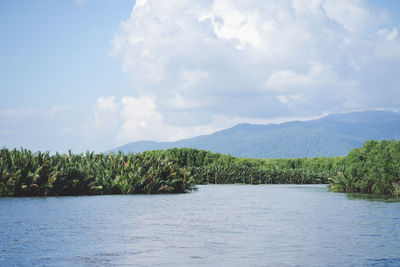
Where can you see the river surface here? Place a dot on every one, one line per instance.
(219, 225)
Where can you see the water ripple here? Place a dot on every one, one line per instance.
(271, 225)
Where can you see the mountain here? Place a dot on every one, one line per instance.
(333, 135)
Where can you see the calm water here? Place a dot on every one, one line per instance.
(223, 225)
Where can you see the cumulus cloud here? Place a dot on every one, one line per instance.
(197, 63)
(139, 115)
(129, 117)
(133, 118)
(105, 120)
(118, 121)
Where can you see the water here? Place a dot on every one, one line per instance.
(219, 225)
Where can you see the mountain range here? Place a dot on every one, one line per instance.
(332, 135)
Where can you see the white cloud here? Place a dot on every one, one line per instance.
(389, 35)
(293, 87)
(140, 3)
(288, 80)
(230, 23)
(353, 15)
(200, 61)
(123, 119)
(140, 119)
(136, 118)
(106, 118)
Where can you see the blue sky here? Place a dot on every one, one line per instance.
(51, 47)
(56, 55)
(91, 75)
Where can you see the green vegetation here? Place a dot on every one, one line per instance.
(216, 168)
(24, 173)
(373, 168)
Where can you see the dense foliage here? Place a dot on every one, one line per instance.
(373, 168)
(216, 168)
(24, 173)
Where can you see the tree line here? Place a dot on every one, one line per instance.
(373, 168)
(24, 173)
(216, 168)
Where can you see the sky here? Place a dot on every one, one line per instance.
(90, 75)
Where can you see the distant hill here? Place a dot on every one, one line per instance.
(333, 135)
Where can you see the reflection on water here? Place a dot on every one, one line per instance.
(373, 197)
(223, 225)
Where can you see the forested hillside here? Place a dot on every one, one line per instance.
(333, 135)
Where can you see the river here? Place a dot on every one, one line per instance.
(218, 225)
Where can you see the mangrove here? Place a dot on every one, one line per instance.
(373, 168)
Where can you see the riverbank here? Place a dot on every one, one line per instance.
(373, 168)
